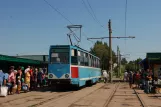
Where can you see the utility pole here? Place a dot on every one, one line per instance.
(110, 50)
(118, 55)
(119, 64)
(110, 47)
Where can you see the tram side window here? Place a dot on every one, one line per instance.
(96, 63)
(89, 61)
(92, 61)
(86, 59)
(74, 58)
(99, 64)
(81, 58)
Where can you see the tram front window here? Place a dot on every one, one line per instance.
(59, 56)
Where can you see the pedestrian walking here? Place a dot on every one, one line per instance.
(125, 76)
(35, 78)
(142, 79)
(147, 79)
(18, 79)
(134, 75)
(18, 84)
(130, 75)
(31, 78)
(5, 78)
(39, 77)
(137, 79)
(1, 77)
(27, 69)
(27, 79)
(11, 80)
(105, 75)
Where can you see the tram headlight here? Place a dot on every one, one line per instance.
(66, 75)
(50, 75)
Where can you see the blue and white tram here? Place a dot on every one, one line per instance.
(72, 65)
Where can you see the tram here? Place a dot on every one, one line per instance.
(72, 65)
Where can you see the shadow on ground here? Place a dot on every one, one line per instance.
(59, 89)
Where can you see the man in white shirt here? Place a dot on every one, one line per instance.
(125, 76)
(105, 75)
(27, 69)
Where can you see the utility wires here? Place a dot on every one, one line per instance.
(55, 9)
(92, 13)
(125, 21)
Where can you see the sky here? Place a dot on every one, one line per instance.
(29, 27)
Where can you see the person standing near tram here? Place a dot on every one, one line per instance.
(125, 76)
(105, 75)
(130, 76)
(147, 79)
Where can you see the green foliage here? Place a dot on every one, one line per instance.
(124, 61)
(133, 65)
(101, 50)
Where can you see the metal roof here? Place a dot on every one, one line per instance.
(22, 60)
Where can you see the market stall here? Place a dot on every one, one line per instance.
(154, 63)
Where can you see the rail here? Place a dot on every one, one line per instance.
(111, 96)
(140, 99)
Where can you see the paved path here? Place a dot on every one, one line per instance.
(150, 100)
(47, 98)
(124, 96)
(99, 95)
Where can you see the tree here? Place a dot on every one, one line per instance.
(133, 65)
(101, 50)
(123, 61)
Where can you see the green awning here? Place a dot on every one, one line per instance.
(154, 57)
(15, 59)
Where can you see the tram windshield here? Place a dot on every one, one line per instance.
(59, 56)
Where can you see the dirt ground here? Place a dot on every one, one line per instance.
(99, 95)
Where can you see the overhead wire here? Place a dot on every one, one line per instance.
(55, 9)
(95, 15)
(92, 15)
(91, 9)
(88, 9)
(125, 21)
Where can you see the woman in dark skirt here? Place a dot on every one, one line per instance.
(130, 75)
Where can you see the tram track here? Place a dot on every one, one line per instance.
(68, 97)
(23, 95)
(37, 99)
(61, 96)
(73, 104)
(19, 98)
(55, 98)
(109, 100)
(32, 97)
(140, 99)
(111, 96)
